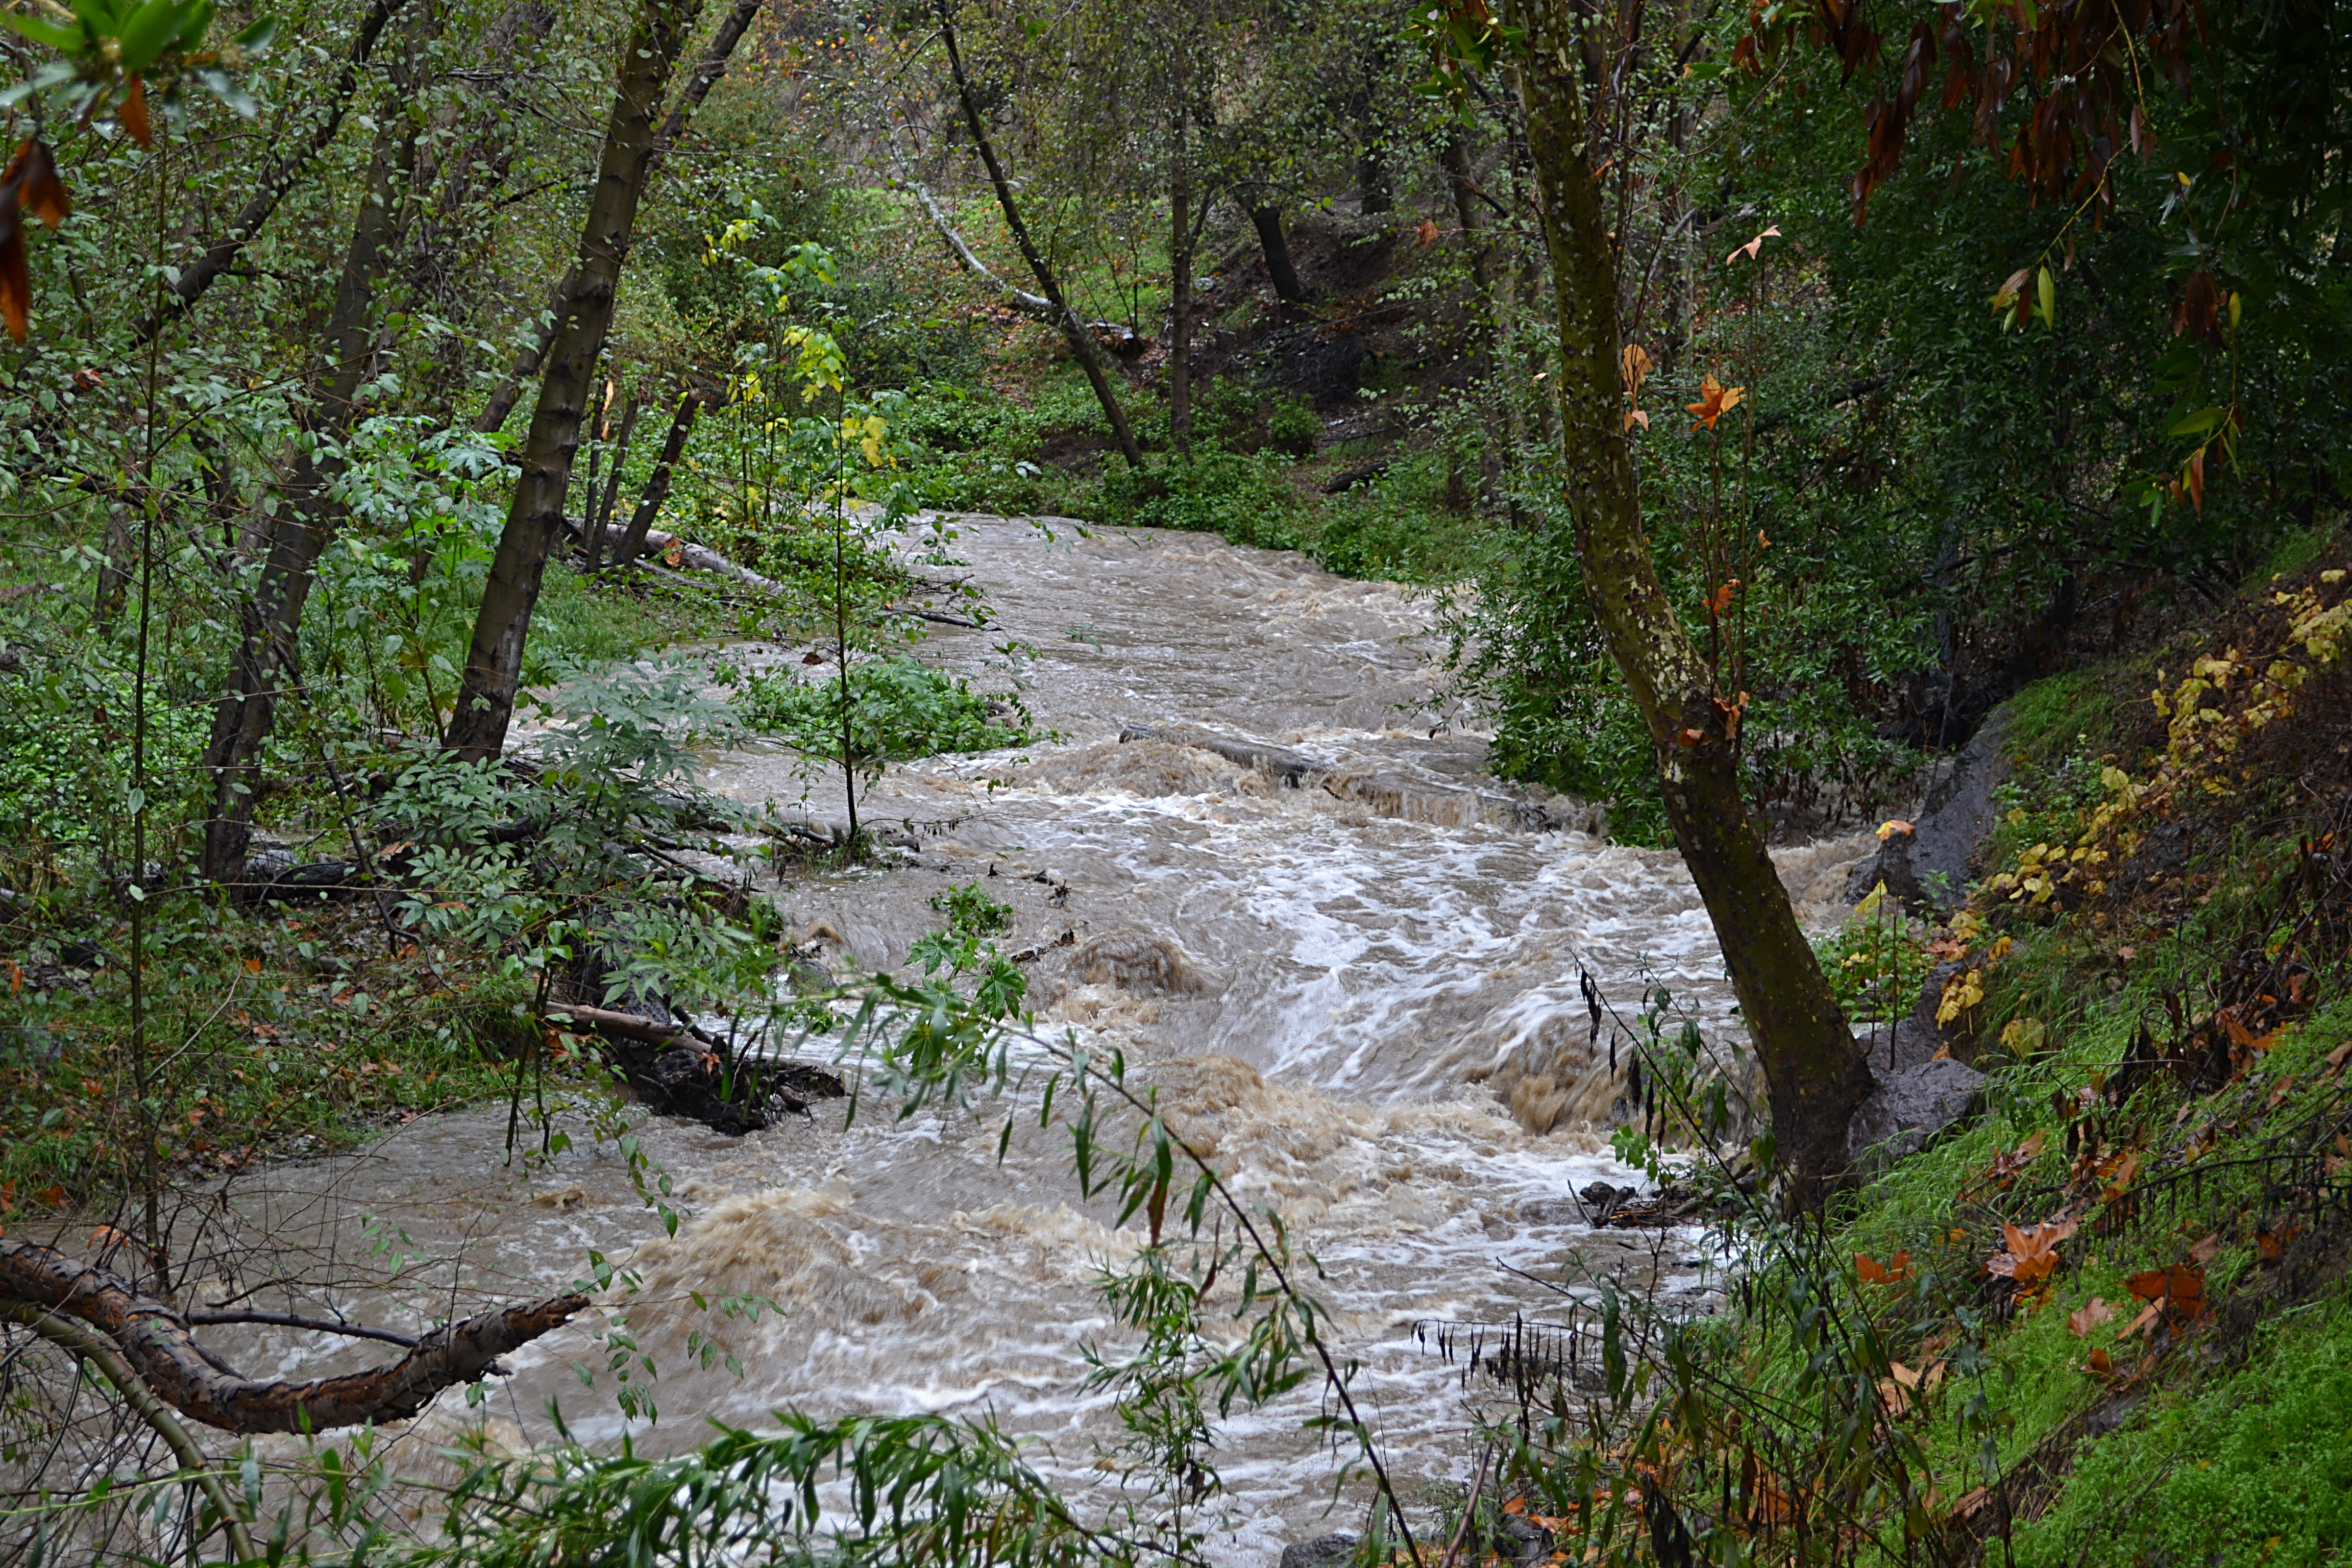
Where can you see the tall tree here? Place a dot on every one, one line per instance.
(582, 318)
(1074, 330)
(265, 663)
(1815, 1073)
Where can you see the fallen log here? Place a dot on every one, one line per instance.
(158, 1348)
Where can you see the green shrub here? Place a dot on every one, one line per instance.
(899, 708)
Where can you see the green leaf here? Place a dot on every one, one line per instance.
(256, 37)
(65, 40)
(150, 28)
(199, 22)
(2046, 292)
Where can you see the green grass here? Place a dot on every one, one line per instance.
(2251, 1468)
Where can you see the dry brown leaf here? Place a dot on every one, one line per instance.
(2089, 1316)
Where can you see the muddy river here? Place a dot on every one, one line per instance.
(1358, 990)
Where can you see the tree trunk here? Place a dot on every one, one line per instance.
(267, 657)
(1081, 341)
(704, 77)
(155, 1343)
(649, 505)
(114, 569)
(1267, 221)
(1180, 292)
(1815, 1072)
(535, 519)
(601, 516)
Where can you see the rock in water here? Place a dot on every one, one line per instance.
(1320, 1552)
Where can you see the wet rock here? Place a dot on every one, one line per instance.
(1908, 1108)
(1288, 766)
(1891, 869)
(1516, 1539)
(1323, 1550)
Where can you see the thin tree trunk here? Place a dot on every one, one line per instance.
(1081, 341)
(1180, 319)
(507, 393)
(649, 505)
(1267, 221)
(603, 515)
(535, 519)
(276, 181)
(267, 656)
(704, 77)
(1815, 1072)
(114, 569)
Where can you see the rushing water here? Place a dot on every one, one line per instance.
(1360, 995)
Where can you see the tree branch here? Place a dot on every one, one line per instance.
(155, 1348)
(279, 178)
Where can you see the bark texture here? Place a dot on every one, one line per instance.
(1279, 267)
(1815, 1072)
(267, 661)
(156, 1345)
(1074, 330)
(535, 518)
(649, 505)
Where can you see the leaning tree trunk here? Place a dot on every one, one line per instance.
(1279, 268)
(535, 519)
(58, 1298)
(266, 658)
(1815, 1073)
(293, 156)
(649, 505)
(1180, 292)
(1074, 330)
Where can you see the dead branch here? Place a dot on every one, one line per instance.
(157, 1347)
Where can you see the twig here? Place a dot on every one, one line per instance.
(98, 1350)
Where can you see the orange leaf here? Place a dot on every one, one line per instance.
(35, 173)
(132, 114)
(1633, 367)
(1871, 1272)
(53, 1195)
(253, 966)
(1636, 416)
(2271, 1244)
(2099, 1365)
(1753, 246)
(1715, 400)
(2192, 476)
(1426, 232)
(16, 287)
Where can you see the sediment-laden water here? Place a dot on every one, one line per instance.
(1360, 992)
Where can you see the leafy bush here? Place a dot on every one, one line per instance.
(899, 708)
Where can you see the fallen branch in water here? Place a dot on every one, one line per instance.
(156, 1348)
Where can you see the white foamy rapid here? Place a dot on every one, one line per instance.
(1359, 996)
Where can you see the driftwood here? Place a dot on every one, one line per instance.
(158, 1348)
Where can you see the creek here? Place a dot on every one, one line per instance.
(1360, 994)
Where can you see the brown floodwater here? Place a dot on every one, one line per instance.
(1360, 994)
